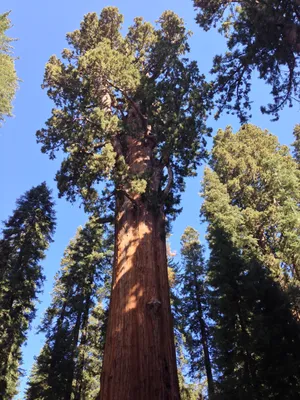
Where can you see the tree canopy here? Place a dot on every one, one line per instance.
(262, 36)
(111, 92)
(257, 181)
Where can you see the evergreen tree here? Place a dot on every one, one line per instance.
(25, 237)
(194, 306)
(72, 323)
(255, 335)
(251, 202)
(296, 143)
(90, 355)
(190, 389)
(8, 76)
(258, 183)
(130, 111)
(262, 36)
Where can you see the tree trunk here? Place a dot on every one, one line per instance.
(204, 342)
(139, 358)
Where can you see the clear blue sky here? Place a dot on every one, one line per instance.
(40, 27)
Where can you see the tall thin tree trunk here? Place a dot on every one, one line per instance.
(139, 358)
(83, 341)
(204, 342)
(70, 372)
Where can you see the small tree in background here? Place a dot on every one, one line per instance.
(296, 143)
(194, 307)
(73, 321)
(8, 76)
(25, 237)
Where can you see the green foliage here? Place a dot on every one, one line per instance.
(69, 364)
(262, 36)
(251, 199)
(25, 237)
(113, 93)
(186, 349)
(193, 296)
(257, 185)
(296, 143)
(256, 337)
(8, 76)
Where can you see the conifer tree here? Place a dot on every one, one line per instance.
(72, 323)
(251, 199)
(256, 337)
(25, 237)
(130, 111)
(8, 76)
(188, 390)
(262, 36)
(258, 183)
(296, 143)
(194, 307)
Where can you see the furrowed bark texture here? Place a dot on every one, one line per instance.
(139, 358)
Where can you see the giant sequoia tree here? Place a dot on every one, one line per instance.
(25, 237)
(63, 368)
(8, 77)
(256, 337)
(130, 111)
(262, 36)
(251, 201)
(260, 181)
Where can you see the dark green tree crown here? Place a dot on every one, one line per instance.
(31, 225)
(110, 90)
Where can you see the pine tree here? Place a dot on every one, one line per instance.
(194, 306)
(25, 237)
(72, 323)
(250, 202)
(8, 76)
(262, 36)
(130, 111)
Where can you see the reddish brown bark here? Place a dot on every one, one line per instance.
(139, 358)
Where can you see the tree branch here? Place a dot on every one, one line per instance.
(128, 196)
(142, 117)
(106, 219)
